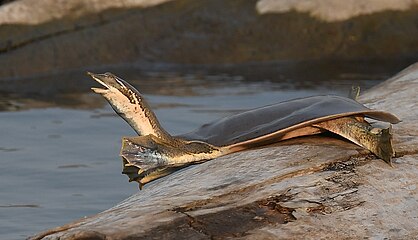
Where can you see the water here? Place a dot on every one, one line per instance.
(59, 144)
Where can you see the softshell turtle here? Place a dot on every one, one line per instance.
(155, 153)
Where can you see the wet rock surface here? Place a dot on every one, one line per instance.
(317, 187)
(83, 34)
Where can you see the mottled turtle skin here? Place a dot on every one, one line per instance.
(155, 153)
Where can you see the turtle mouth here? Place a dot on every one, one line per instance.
(96, 77)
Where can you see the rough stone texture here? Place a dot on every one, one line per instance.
(80, 34)
(35, 12)
(330, 10)
(311, 188)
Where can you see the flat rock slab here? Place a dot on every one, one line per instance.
(317, 187)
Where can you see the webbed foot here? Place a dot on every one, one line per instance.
(384, 148)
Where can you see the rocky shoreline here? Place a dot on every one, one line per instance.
(88, 34)
(299, 189)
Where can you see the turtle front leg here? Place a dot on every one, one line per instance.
(377, 140)
(147, 158)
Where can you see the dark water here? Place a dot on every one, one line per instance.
(59, 144)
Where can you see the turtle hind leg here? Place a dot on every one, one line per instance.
(384, 148)
(378, 141)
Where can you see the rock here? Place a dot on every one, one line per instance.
(33, 12)
(316, 188)
(45, 37)
(331, 11)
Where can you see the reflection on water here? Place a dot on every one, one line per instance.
(19, 206)
(70, 90)
(59, 152)
(2, 149)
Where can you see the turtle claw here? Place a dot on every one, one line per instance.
(354, 92)
(387, 160)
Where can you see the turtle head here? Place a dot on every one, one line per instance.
(115, 90)
(127, 103)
